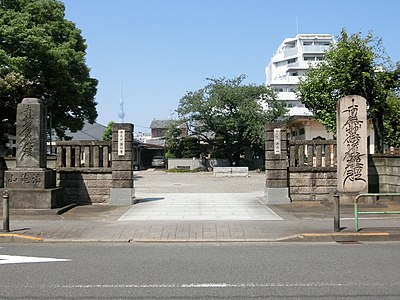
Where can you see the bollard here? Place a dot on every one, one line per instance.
(6, 211)
(336, 212)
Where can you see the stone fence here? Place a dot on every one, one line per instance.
(307, 170)
(84, 170)
(83, 154)
(312, 170)
(384, 173)
(98, 171)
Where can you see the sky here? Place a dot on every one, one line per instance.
(152, 52)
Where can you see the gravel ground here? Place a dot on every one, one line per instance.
(155, 181)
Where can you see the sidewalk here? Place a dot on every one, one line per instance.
(201, 208)
(300, 222)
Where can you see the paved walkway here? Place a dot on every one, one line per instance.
(199, 206)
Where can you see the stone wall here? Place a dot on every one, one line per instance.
(197, 163)
(184, 163)
(230, 171)
(85, 186)
(315, 185)
(384, 173)
(318, 185)
(84, 171)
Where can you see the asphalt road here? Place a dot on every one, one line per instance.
(201, 271)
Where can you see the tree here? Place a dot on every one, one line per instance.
(107, 134)
(353, 66)
(230, 116)
(391, 121)
(42, 55)
(178, 146)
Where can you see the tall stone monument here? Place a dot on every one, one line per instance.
(352, 151)
(31, 184)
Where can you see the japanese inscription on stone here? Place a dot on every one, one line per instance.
(24, 179)
(121, 142)
(27, 142)
(352, 144)
(31, 134)
(277, 141)
(352, 157)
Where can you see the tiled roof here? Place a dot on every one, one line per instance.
(89, 132)
(163, 124)
(160, 123)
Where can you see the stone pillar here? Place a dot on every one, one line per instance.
(122, 191)
(352, 151)
(276, 164)
(31, 185)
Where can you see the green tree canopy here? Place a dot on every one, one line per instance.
(230, 115)
(178, 146)
(354, 66)
(42, 55)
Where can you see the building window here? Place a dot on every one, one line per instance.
(309, 58)
(302, 131)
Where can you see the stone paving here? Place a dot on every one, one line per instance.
(199, 196)
(199, 206)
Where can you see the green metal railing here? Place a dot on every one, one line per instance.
(357, 212)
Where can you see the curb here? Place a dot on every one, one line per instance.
(18, 238)
(347, 237)
(350, 237)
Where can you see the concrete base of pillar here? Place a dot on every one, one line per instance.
(349, 198)
(276, 196)
(36, 198)
(122, 196)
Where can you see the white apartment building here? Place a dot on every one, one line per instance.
(291, 61)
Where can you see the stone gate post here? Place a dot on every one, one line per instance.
(276, 164)
(122, 156)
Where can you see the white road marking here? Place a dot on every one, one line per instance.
(207, 285)
(14, 259)
(211, 285)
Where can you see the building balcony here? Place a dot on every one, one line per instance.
(288, 80)
(290, 52)
(303, 65)
(315, 49)
(286, 96)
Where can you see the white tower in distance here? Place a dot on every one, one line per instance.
(121, 114)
